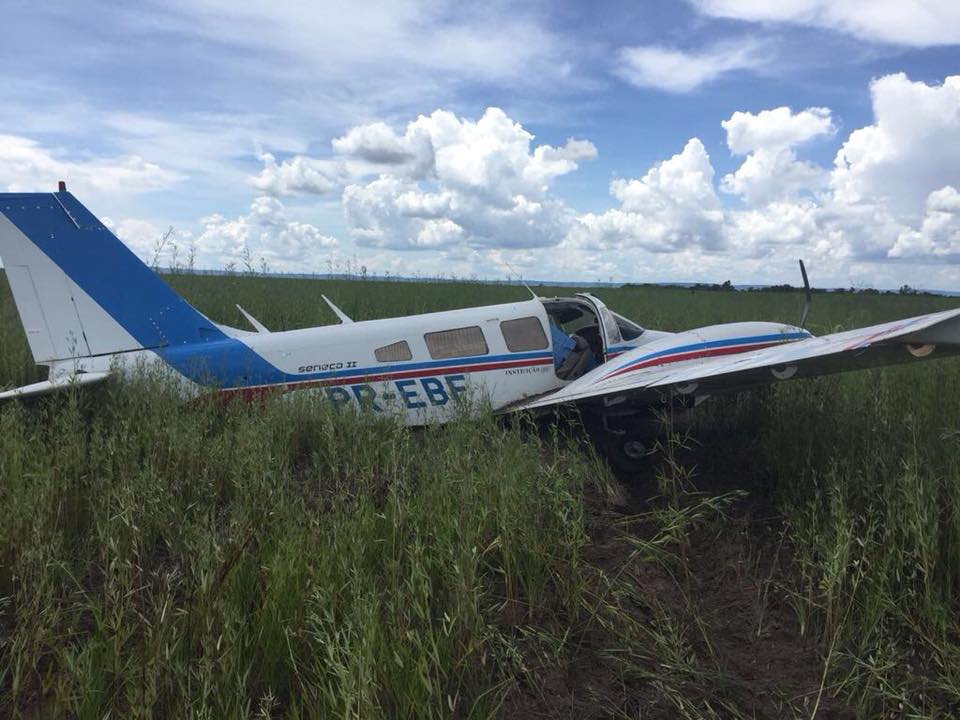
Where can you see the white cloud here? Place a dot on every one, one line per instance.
(912, 147)
(772, 229)
(146, 238)
(299, 174)
(379, 41)
(449, 180)
(27, 166)
(768, 175)
(472, 191)
(201, 145)
(266, 232)
(675, 70)
(771, 170)
(775, 129)
(939, 235)
(389, 212)
(378, 144)
(673, 206)
(892, 194)
(901, 22)
(193, 85)
(813, 228)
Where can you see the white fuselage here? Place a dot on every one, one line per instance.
(418, 379)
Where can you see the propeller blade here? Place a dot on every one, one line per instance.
(808, 299)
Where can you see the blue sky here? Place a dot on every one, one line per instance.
(638, 141)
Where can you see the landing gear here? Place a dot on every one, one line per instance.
(630, 453)
(629, 440)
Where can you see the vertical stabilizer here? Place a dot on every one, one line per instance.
(80, 291)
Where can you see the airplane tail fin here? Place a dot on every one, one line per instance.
(79, 290)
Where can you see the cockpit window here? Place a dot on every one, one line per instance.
(629, 330)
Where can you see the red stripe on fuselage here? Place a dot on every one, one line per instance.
(258, 391)
(691, 355)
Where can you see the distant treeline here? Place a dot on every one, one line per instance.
(727, 286)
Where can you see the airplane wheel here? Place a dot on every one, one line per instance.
(629, 453)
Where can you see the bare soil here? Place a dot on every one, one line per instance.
(742, 636)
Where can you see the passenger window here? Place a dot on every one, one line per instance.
(456, 343)
(523, 334)
(392, 353)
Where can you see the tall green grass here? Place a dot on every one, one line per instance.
(280, 560)
(871, 503)
(211, 561)
(285, 560)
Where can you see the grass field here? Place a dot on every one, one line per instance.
(796, 553)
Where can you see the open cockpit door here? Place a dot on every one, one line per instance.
(609, 330)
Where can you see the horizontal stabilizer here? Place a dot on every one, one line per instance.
(50, 386)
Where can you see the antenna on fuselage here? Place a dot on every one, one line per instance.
(808, 299)
(259, 326)
(520, 277)
(529, 289)
(344, 318)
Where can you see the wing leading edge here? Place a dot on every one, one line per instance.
(641, 376)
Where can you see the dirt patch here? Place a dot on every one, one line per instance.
(705, 630)
(753, 633)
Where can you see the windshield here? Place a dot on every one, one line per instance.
(629, 330)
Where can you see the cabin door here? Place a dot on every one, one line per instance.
(609, 331)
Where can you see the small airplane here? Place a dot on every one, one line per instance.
(91, 309)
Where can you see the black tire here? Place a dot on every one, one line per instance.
(630, 453)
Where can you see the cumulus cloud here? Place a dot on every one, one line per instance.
(474, 190)
(814, 228)
(471, 190)
(771, 170)
(28, 166)
(772, 229)
(912, 147)
(448, 180)
(675, 70)
(931, 22)
(938, 238)
(892, 193)
(768, 175)
(266, 231)
(672, 207)
(775, 129)
(299, 174)
(378, 144)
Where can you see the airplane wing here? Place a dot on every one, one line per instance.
(44, 387)
(645, 375)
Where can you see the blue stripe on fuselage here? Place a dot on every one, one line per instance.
(714, 344)
(222, 365)
(131, 293)
(147, 308)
